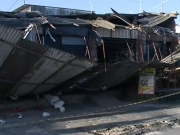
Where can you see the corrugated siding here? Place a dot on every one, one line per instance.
(104, 32)
(26, 66)
(134, 34)
(124, 33)
(74, 45)
(67, 40)
(118, 33)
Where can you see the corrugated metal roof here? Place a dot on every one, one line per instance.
(155, 20)
(99, 22)
(47, 10)
(173, 58)
(28, 67)
(24, 22)
(116, 74)
(56, 20)
(13, 22)
(160, 31)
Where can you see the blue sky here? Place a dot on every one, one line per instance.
(101, 6)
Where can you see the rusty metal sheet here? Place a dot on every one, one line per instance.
(27, 67)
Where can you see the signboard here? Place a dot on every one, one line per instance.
(148, 71)
(147, 81)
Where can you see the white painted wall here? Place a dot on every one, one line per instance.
(178, 29)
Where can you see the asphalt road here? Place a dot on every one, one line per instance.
(83, 125)
(111, 113)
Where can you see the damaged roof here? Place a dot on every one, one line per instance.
(120, 72)
(24, 19)
(29, 68)
(172, 58)
(144, 18)
(155, 20)
(48, 10)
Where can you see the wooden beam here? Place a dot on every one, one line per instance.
(155, 51)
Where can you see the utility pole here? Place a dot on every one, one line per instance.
(162, 5)
(25, 5)
(91, 6)
(140, 6)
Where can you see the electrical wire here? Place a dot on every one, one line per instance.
(13, 5)
(24, 4)
(137, 1)
(147, 3)
(150, 4)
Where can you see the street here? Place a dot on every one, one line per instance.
(34, 124)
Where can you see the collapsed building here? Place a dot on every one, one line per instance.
(113, 42)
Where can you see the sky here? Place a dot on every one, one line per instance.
(101, 6)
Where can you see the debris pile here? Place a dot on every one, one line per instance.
(140, 129)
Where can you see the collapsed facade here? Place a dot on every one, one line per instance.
(115, 42)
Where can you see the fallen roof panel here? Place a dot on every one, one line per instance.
(155, 20)
(116, 74)
(172, 58)
(28, 67)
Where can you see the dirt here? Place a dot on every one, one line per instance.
(140, 129)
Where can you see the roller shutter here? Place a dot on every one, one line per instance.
(74, 45)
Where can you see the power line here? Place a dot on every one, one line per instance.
(13, 5)
(137, 1)
(85, 4)
(149, 4)
(24, 5)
